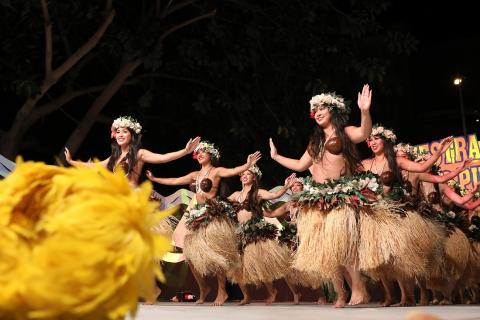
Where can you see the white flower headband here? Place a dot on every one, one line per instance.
(421, 155)
(126, 122)
(207, 147)
(404, 147)
(256, 171)
(381, 131)
(330, 101)
(300, 180)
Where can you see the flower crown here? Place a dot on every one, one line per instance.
(256, 171)
(381, 131)
(300, 180)
(421, 155)
(405, 147)
(126, 122)
(330, 101)
(209, 148)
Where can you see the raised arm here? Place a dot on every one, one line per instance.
(471, 205)
(150, 157)
(427, 177)
(187, 179)
(412, 166)
(457, 199)
(230, 172)
(298, 165)
(364, 101)
(267, 195)
(77, 163)
(280, 211)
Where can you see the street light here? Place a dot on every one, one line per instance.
(458, 82)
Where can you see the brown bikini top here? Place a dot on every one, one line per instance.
(386, 178)
(334, 145)
(206, 185)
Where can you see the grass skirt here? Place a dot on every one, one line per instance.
(405, 244)
(166, 226)
(212, 248)
(262, 262)
(327, 240)
(453, 260)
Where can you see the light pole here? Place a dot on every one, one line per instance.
(458, 82)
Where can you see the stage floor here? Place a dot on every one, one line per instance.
(284, 311)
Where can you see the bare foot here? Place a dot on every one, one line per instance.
(156, 294)
(435, 301)
(296, 297)
(359, 299)
(340, 303)
(322, 301)
(245, 300)
(271, 298)
(220, 299)
(445, 302)
(203, 295)
(387, 303)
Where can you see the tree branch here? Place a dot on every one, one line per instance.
(48, 39)
(186, 23)
(170, 10)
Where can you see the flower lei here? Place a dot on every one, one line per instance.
(455, 185)
(386, 133)
(256, 171)
(329, 100)
(359, 190)
(125, 122)
(254, 230)
(288, 235)
(208, 147)
(202, 214)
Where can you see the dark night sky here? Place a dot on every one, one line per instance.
(448, 45)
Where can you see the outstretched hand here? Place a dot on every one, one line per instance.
(468, 163)
(253, 158)
(68, 156)
(192, 144)
(445, 143)
(149, 175)
(364, 99)
(290, 180)
(273, 150)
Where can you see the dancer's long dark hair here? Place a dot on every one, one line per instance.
(253, 205)
(317, 141)
(391, 156)
(130, 160)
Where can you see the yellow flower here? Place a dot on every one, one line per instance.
(75, 243)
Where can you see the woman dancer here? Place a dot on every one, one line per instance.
(331, 153)
(264, 259)
(210, 245)
(288, 237)
(393, 246)
(127, 152)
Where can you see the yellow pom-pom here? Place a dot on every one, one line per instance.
(76, 243)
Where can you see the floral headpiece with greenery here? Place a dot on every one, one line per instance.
(300, 180)
(256, 171)
(208, 147)
(126, 122)
(405, 147)
(383, 132)
(330, 101)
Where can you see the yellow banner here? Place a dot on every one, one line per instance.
(463, 147)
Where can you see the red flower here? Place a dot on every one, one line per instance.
(312, 115)
(195, 155)
(113, 133)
